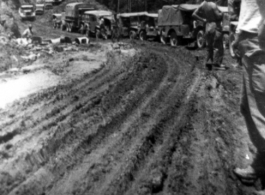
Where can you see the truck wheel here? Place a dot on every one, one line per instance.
(231, 40)
(142, 35)
(226, 41)
(200, 40)
(132, 34)
(173, 39)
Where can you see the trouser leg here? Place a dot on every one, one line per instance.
(253, 100)
(218, 45)
(210, 48)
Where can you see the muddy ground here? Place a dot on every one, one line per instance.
(141, 118)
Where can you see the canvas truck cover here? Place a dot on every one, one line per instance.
(152, 15)
(71, 9)
(99, 12)
(105, 14)
(171, 15)
(133, 14)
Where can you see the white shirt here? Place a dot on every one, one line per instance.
(250, 17)
(27, 33)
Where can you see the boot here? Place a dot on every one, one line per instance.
(246, 174)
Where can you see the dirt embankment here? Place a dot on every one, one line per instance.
(155, 123)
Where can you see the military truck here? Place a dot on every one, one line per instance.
(149, 29)
(27, 12)
(39, 9)
(57, 20)
(90, 24)
(74, 13)
(175, 23)
(131, 23)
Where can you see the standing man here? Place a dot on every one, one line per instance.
(250, 44)
(209, 13)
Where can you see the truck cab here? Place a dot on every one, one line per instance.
(91, 22)
(150, 28)
(131, 23)
(74, 15)
(27, 12)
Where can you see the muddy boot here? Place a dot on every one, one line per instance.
(247, 175)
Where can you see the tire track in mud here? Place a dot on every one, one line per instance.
(151, 87)
(130, 134)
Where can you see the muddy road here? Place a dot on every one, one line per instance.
(154, 123)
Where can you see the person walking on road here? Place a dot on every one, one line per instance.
(209, 13)
(250, 45)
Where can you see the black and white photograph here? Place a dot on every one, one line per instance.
(132, 97)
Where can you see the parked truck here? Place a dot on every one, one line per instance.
(73, 15)
(131, 23)
(39, 8)
(150, 28)
(27, 12)
(90, 24)
(175, 23)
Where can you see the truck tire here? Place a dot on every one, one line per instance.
(200, 40)
(231, 40)
(142, 35)
(173, 39)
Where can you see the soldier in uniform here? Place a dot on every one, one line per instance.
(209, 13)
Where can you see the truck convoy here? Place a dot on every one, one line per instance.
(172, 24)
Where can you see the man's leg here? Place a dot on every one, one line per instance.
(253, 102)
(218, 44)
(210, 41)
